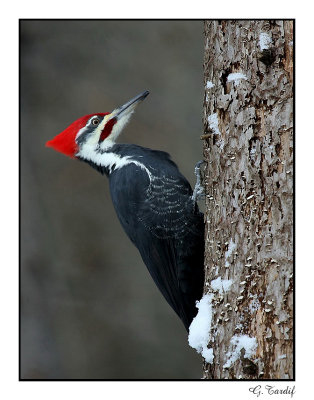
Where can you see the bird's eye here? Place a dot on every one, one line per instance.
(95, 121)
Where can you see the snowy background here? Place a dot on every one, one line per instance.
(89, 308)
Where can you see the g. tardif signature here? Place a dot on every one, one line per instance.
(268, 389)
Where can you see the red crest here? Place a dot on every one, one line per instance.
(64, 142)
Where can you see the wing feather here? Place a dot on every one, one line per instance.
(165, 225)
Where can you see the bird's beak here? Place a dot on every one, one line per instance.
(129, 107)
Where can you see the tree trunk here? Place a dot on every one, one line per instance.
(248, 147)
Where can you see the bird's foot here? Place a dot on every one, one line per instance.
(199, 191)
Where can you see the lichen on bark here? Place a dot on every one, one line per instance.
(248, 147)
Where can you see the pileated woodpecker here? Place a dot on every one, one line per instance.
(153, 201)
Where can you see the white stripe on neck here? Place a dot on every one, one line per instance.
(109, 160)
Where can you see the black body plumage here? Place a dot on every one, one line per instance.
(154, 204)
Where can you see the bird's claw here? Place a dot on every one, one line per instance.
(198, 192)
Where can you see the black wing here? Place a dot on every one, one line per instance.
(166, 226)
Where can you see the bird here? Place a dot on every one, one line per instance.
(154, 203)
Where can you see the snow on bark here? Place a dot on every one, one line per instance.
(199, 331)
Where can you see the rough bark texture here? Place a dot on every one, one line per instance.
(249, 196)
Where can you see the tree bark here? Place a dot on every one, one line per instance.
(248, 147)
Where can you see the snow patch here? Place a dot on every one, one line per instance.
(209, 85)
(213, 123)
(264, 41)
(236, 77)
(239, 342)
(231, 247)
(199, 331)
(221, 285)
(208, 355)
